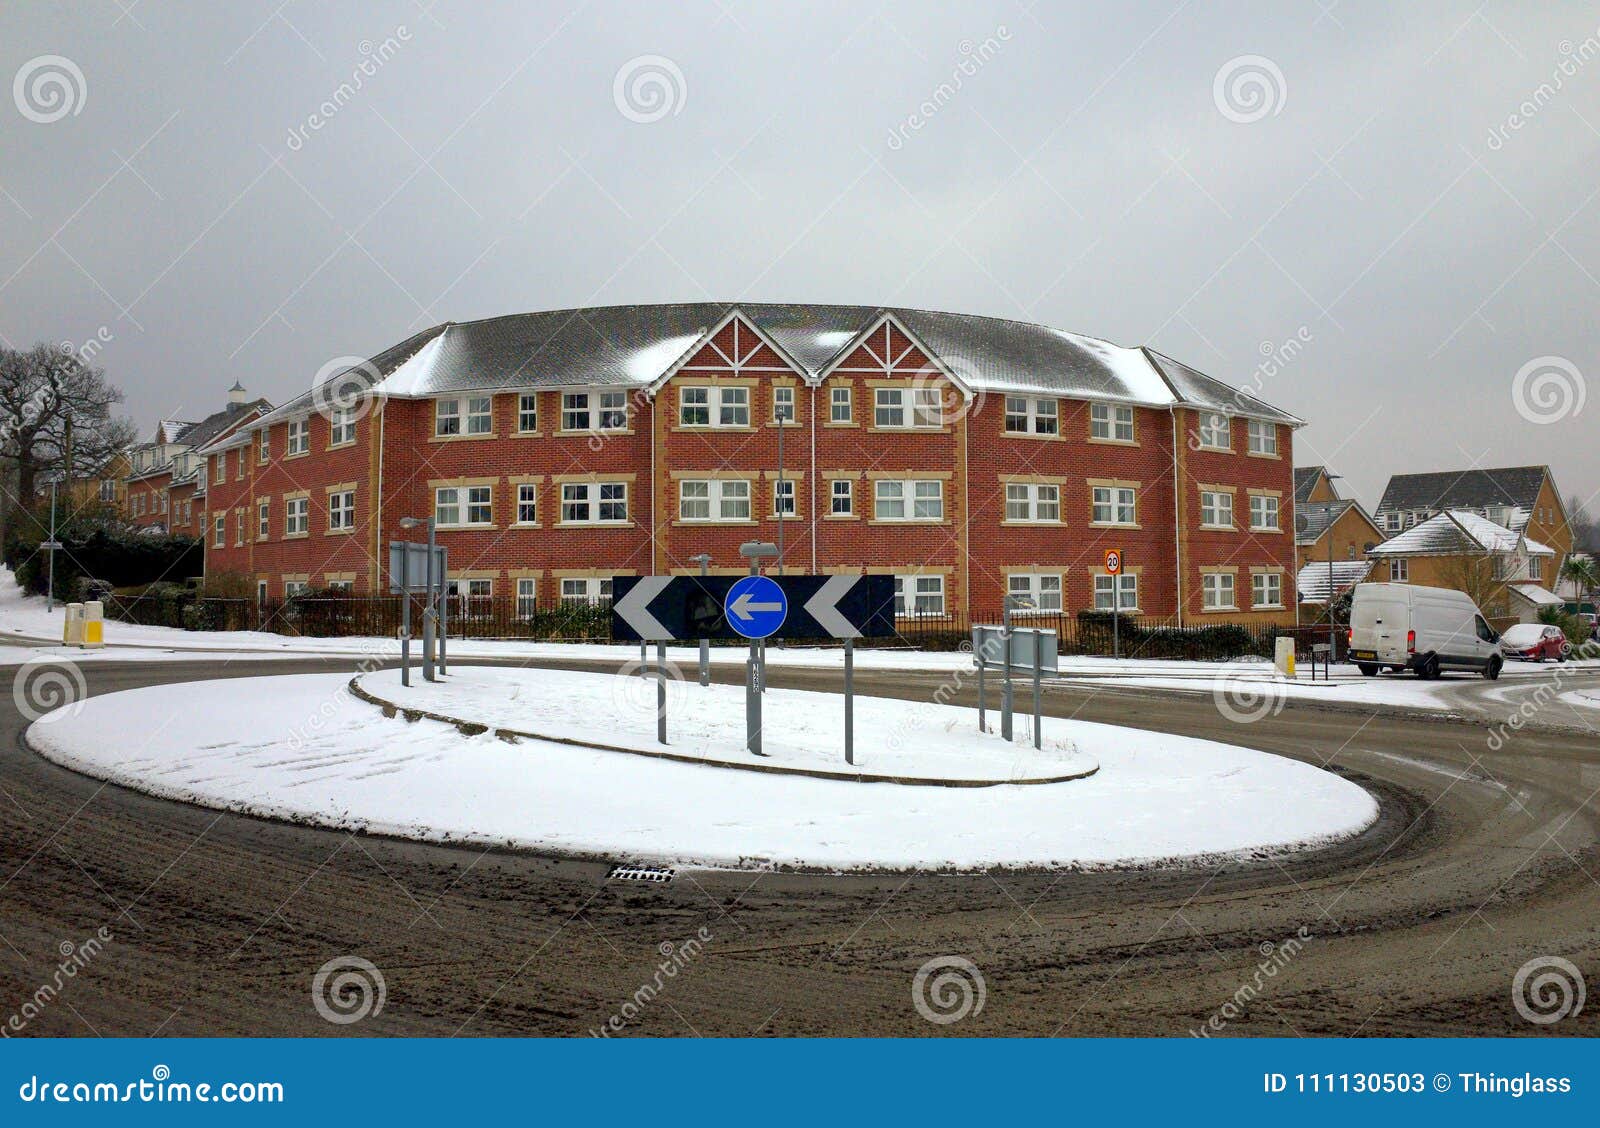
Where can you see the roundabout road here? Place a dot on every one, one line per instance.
(1483, 859)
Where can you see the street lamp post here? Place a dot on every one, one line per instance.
(704, 560)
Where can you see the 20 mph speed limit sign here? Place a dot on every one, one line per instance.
(1114, 562)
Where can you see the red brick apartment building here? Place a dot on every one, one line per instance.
(969, 456)
(165, 486)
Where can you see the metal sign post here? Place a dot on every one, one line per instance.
(849, 701)
(1038, 673)
(704, 560)
(661, 692)
(405, 619)
(756, 607)
(50, 546)
(443, 617)
(1114, 570)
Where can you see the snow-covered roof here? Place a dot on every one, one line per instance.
(1466, 489)
(633, 346)
(1536, 595)
(1313, 582)
(1313, 518)
(1457, 531)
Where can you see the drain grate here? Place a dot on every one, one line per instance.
(657, 874)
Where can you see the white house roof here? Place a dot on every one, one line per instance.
(1536, 595)
(1456, 531)
(1313, 584)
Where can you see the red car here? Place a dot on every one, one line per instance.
(1534, 642)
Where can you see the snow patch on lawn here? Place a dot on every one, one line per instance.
(302, 748)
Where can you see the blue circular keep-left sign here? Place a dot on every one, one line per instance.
(756, 607)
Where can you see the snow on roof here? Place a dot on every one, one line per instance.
(1456, 531)
(1536, 595)
(636, 345)
(1312, 582)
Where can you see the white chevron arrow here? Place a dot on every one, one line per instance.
(824, 607)
(634, 608)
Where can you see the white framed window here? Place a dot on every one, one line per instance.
(527, 597)
(466, 415)
(591, 590)
(905, 499)
(1263, 513)
(219, 463)
(916, 596)
(463, 505)
(263, 447)
(342, 426)
(342, 510)
(1041, 591)
(1106, 590)
(783, 498)
(718, 405)
(594, 411)
(1111, 422)
(1266, 589)
(238, 456)
(238, 526)
(299, 437)
(292, 588)
(783, 403)
(527, 504)
(1216, 509)
(1399, 570)
(340, 585)
(528, 412)
(219, 532)
(297, 516)
(263, 520)
(1535, 568)
(1113, 505)
(1391, 522)
(594, 503)
(840, 407)
(713, 499)
(1216, 591)
(1030, 415)
(906, 408)
(108, 489)
(1263, 437)
(1033, 501)
(478, 589)
(1216, 431)
(842, 497)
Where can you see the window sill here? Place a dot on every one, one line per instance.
(694, 428)
(296, 536)
(527, 434)
(877, 430)
(1263, 454)
(1268, 607)
(609, 433)
(1031, 435)
(607, 524)
(1205, 528)
(462, 438)
(1204, 449)
(841, 517)
(1114, 525)
(1113, 442)
(339, 533)
(1009, 521)
(1120, 610)
(1219, 610)
(293, 455)
(693, 522)
(840, 426)
(790, 425)
(908, 521)
(527, 525)
(340, 446)
(485, 526)
(1264, 529)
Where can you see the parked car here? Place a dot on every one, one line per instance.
(1534, 642)
(1423, 629)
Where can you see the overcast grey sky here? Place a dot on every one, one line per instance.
(1384, 182)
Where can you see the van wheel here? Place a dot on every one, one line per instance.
(1492, 669)
(1367, 670)
(1429, 669)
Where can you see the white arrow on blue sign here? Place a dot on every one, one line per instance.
(756, 607)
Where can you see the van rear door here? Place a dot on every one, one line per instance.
(1379, 623)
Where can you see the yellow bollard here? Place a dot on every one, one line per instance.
(94, 614)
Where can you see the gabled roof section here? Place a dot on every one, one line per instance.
(1306, 479)
(635, 345)
(1197, 389)
(955, 367)
(1465, 489)
(1313, 518)
(219, 423)
(1458, 532)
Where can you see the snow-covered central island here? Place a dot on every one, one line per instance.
(305, 748)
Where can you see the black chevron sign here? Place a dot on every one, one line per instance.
(685, 608)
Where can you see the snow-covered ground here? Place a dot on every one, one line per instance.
(800, 729)
(303, 748)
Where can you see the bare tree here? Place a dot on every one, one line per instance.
(55, 408)
(1479, 575)
(1585, 528)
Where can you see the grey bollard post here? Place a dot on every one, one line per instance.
(428, 641)
(1038, 667)
(849, 701)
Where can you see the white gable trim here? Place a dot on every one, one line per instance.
(885, 320)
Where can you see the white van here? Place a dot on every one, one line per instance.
(1429, 630)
